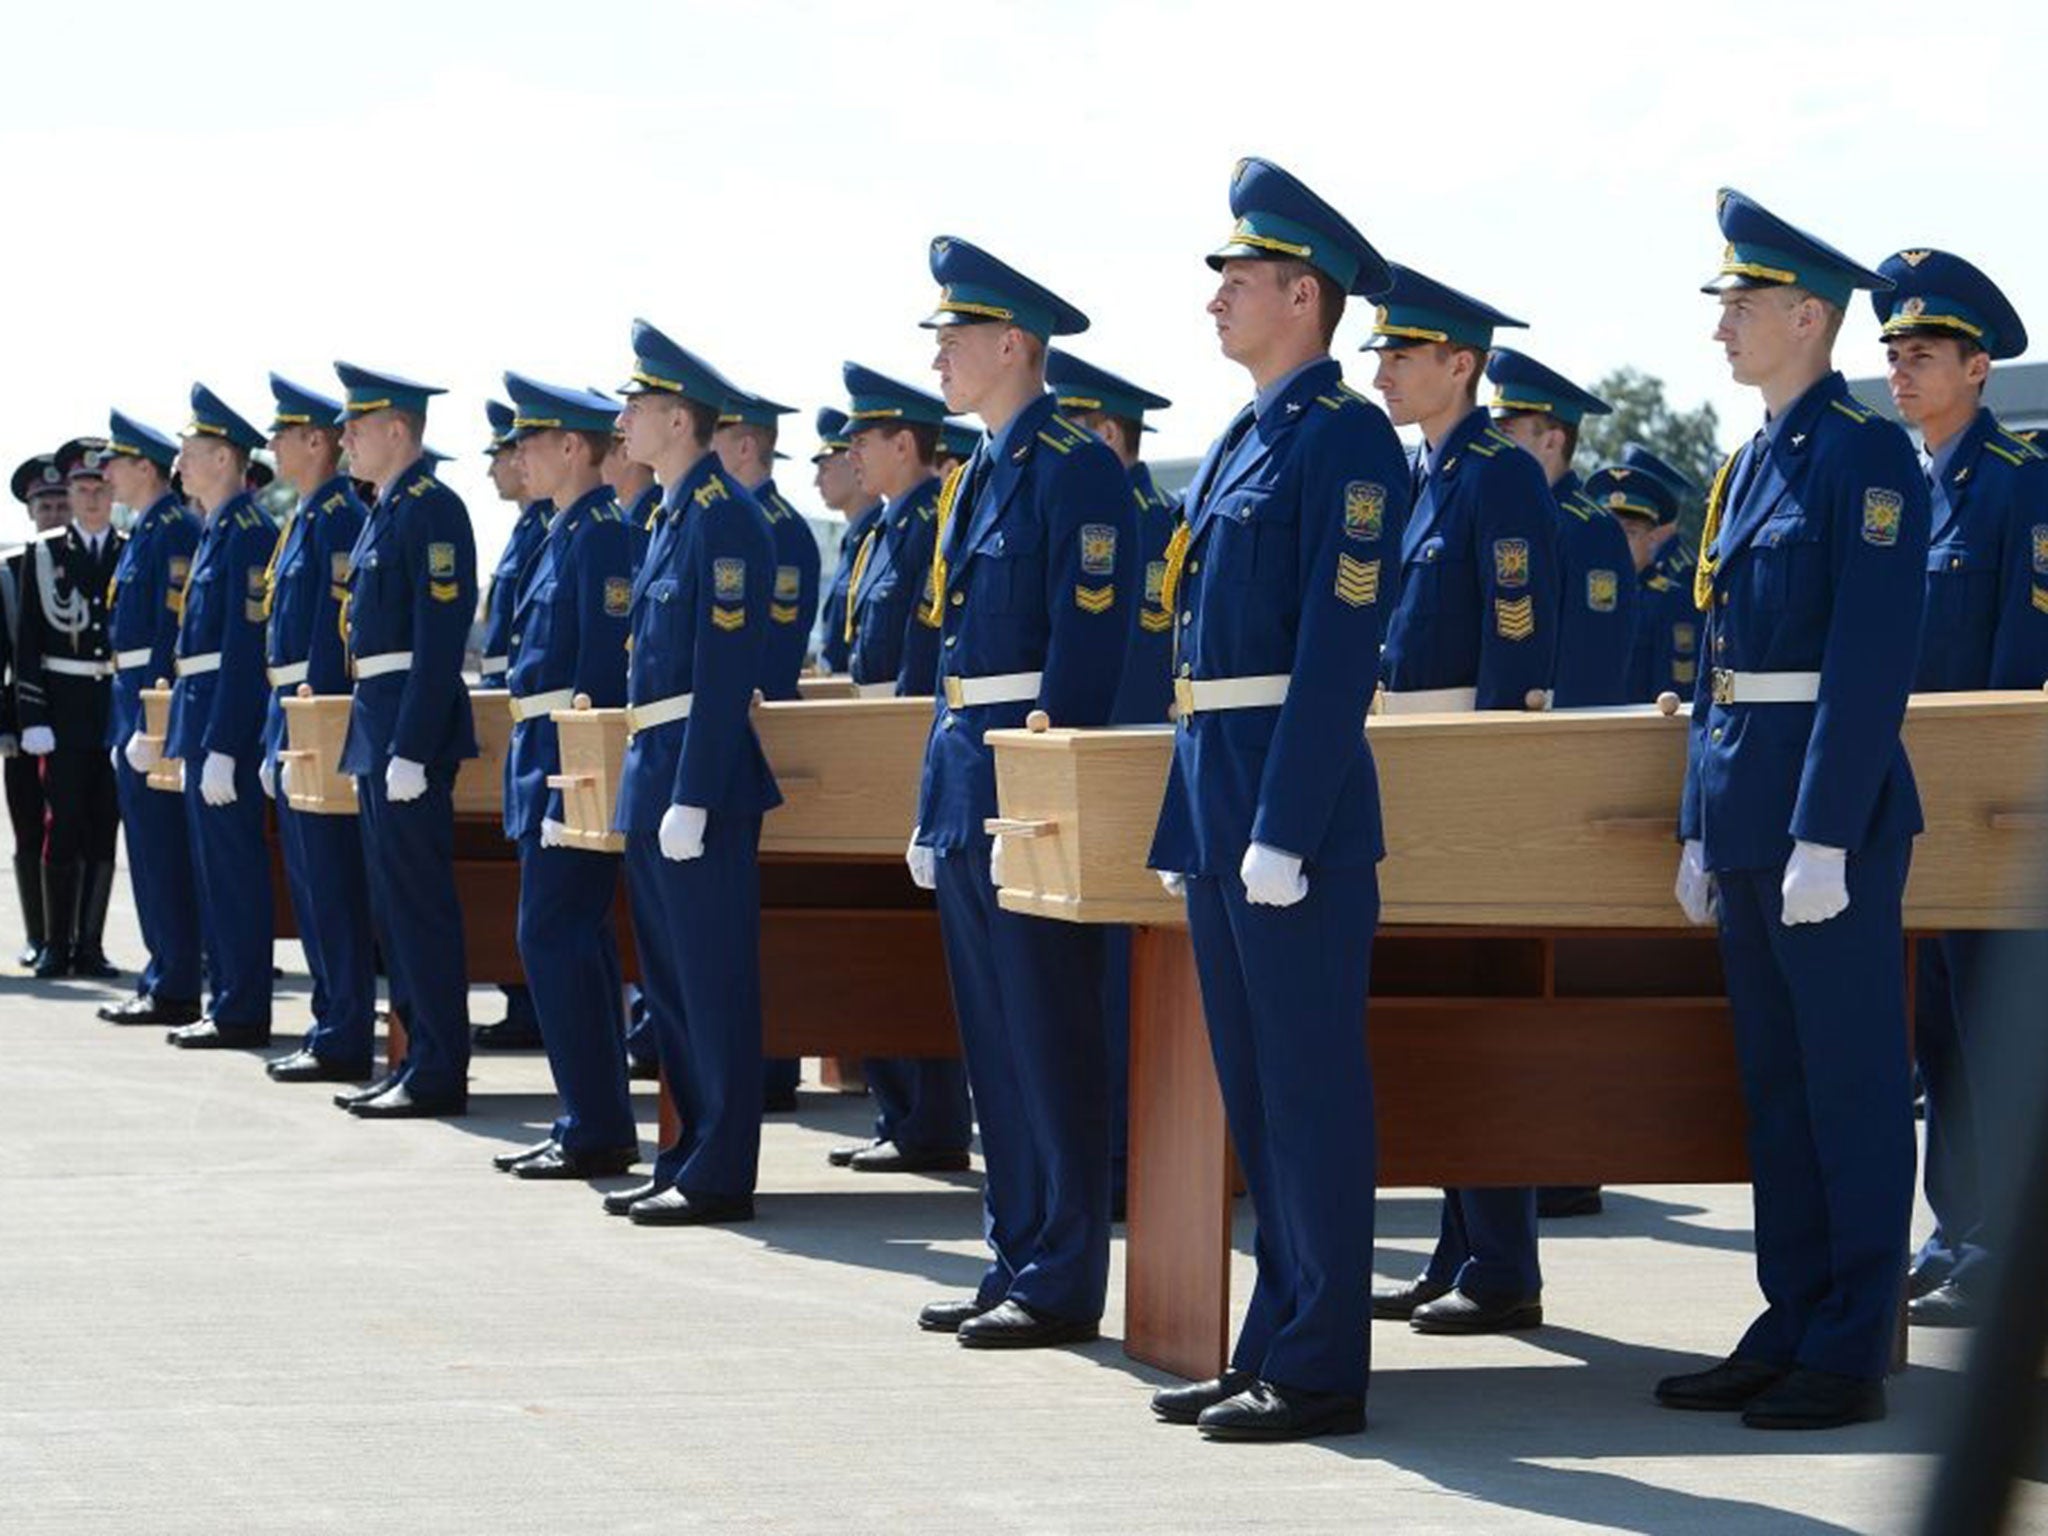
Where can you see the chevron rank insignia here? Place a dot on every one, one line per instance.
(728, 579)
(338, 567)
(1511, 562)
(2041, 549)
(618, 596)
(785, 613)
(1514, 620)
(1603, 591)
(1365, 510)
(440, 560)
(1154, 621)
(444, 591)
(1098, 549)
(1882, 510)
(788, 583)
(1155, 579)
(1358, 581)
(727, 619)
(1682, 639)
(1094, 599)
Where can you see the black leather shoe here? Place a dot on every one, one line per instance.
(1946, 1306)
(778, 1103)
(1012, 1325)
(355, 1096)
(1398, 1304)
(947, 1316)
(505, 1035)
(1922, 1278)
(620, 1202)
(505, 1162)
(673, 1208)
(399, 1103)
(1815, 1400)
(1726, 1388)
(886, 1157)
(305, 1067)
(1460, 1313)
(206, 1035)
(560, 1164)
(146, 1009)
(643, 1071)
(841, 1157)
(1568, 1200)
(1184, 1405)
(1268, 1411)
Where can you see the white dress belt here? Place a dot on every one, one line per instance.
(1429, 701)
(997, 688)
(1205, 695)
(198, 666)
(379, 665)
(534, 705)
(644, 717)
(885, 691)
(490, 664)
(1765, 687)
(127, 660)
(67, 666)
(290, 675)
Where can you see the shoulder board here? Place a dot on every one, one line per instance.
(334, 503)
(1852, 412)
(2007, 454)
(1064, 435)
(2021, 443)
(249, 517)
(1492, 446)
(1578, 509)
(421, 486)
(1330, 402)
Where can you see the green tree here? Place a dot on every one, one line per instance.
(1688, 440)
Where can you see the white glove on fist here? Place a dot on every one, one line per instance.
(923, 862)
(217, 779)
(682, 832)
(267, 777)
(39, 741)
(143, 752)
(1176, 884)
(1816, 884)
(1272, 878)
(1695, 887)
(551, 832)
(404, 780)
(995, 862)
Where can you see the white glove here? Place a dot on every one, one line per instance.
(995, 861)
(404, 780)
(1695, 888)
(551, 832)
(923, 862)
(39, 741)
(682, 832)
(267, 777)
(217, 779)
(143, 752)
(10, 744)
(1272, 878)
(1816, 884)
(1176, 884)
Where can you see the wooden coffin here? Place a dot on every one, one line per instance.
(593, 749)
(849, 771)
(168, 774)
(480, 783)
(833, 685)
(315, 727)
(1565, 819)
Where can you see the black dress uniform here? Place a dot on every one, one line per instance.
(34, 477)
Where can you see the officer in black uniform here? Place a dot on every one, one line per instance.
(38, 485)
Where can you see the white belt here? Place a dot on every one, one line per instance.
(1429, 701)
(887, 691)
(127, 660)
(534, 705)
(198, 666)
(491, 664)
(999, 688)
(65, 666)
(377, 666)
(644, 717)
(1765, 687)
(1203, 695)
(289, 675)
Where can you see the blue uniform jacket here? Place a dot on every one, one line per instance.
(1597, 617)
(572, 621)
(501, 597)
(1147, 688)
(222, 710)
(793, 607)
(895, 634)
(412, 587)
(144, 605)
(1041, 567)
(308, 588)
(1292, 518)
(1986, 621)
(642, 514)
(699, 620)
(1819, 566)
(832, 647)
(1476, 605)
(1666, 654)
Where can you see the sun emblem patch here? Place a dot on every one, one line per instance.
(1511, 562)
(1882, 510)
(440, 560)
(1365, 510)
(729, 580)
(2041, 549)
(618, 596)
(1155, 579)
(180, 568)
(1603, 591)
(1098, 549)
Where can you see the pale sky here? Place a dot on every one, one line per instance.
(212, 190)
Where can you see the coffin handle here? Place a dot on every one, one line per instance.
(1009, 826)
(568, 781)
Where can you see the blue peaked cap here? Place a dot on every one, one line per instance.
(1520, 383)
(1280, 219)
(1082, 386)
(294, 405)
(661, 366)
(214, 417)
(1763, 251)
(976, 289)
(364, 392)
(1936, 294)
(539, 407)
(1416, 309)
(876, 400)
(126, 435)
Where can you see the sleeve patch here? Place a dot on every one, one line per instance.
(1683, 639)
(727, 619)
(1358, 581)
(440, 560)
(1095, 599)
(2041, 549)
(178, 569)
(618, 596)
(783, 613)
(1365, 510)
(1098, 549)
(788, 583)
(729, 580)
(1603, 591)
(1511, 562)
(444, 591)
(1155, 582)
(255, 610)
(2041, 599)
(1515, 620)
(338, 567)
(1882, 510)
(258, 579)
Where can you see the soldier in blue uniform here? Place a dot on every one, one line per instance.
(1543, 410)
(1798, 818)
(1271, 822)
(922, 1120)
(633, 486)
(323, 855)
(747, 434)
(694, 786)
(1034, 577)
(1646, 494)
(519, 1030)
(142, 629)
(839, 487)
(412, 592)
(1985, 625)
(570, 620)
(218, 704)
(1473, 624)
(957, 442)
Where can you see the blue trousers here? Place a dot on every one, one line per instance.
(1486, 1245)
(160, 873)
(409, 851)
(781, 1074)
(1028, 994)
(231, 871)
(698, 923)
(330, 890)
(920, 1102)
(1820, 1034)
(1946, 966)
(571, 958)
(1284, 992)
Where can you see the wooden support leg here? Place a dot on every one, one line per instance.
(841, 1074)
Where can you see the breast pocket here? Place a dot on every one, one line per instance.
(1435, 577)
(1787, 557)
(539, 623)
(1961, 582)
(1256, 540)
(1010, 570)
